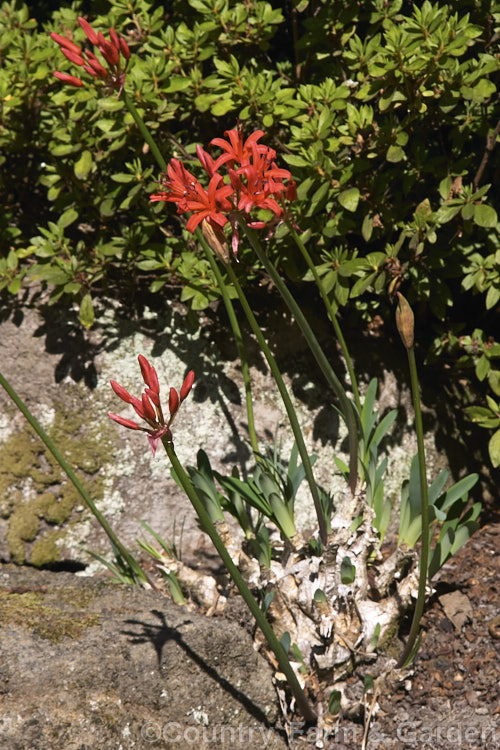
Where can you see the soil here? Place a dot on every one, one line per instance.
(120, 665)
(453, 698)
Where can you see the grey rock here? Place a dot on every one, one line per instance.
(88, 663)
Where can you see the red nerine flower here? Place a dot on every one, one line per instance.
(185, 190)
(237, 150)
(148, 407)
(263, 181)
(113, 75)
(254, 182)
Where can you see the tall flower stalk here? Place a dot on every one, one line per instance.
(405, 324)
(346, 408)
(160, 425)
(303, 704)
(255, 182)
(235, 326)
(290, 410)
(331, 311)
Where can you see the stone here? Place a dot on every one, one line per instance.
(88, 663)
(63, 373)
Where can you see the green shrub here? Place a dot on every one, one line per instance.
(386, 114)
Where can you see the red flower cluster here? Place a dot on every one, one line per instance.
(255, 182)
(113, 75)
(148, 407)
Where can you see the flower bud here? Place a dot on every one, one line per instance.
(124, 48)
(173, 401)
(291, 190)
(187, 385)
(114, 39)
(72, 56)
(405, 321)
(145, 368)
(89, 31)
(121, 392)
(153, 381)
(138, 408)
(96, 69)
(90, 71)
(153, 396)
(70, 80)
(205, 160)
(123, 421)
(148, 408)
(110, 54)
(63, 42)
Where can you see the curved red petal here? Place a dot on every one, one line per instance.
(195, 219)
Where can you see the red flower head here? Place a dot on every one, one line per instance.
(254, 181)
(113, 74)
(148, 407)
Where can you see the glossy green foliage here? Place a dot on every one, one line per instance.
(386, 114)
(479, 355)
(372, 468)
(452, 518)
(271, 490)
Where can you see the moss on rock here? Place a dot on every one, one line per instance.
(30, 610)
(45, 550)
(23, 527)
(35, 494)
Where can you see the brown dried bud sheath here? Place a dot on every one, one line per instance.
(405, 322)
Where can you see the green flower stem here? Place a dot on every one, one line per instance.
(237, 337)
(331, 314)
(424, 553)
(346, 406)
(292, 416)
(220, 281)
(284, 393)
(302, 702)
(144, 131)
(118, 546)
